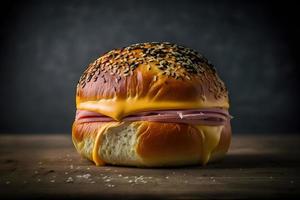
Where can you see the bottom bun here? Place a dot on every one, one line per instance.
(150, 144)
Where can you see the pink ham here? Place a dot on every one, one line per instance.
(213, 116)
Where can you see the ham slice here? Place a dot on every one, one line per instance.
(211, 116)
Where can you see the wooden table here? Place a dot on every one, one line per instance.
(47, 166)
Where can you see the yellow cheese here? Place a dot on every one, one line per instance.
(211, 137)
(96, 157)
(117, 109)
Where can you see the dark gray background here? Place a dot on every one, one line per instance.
(46, 45)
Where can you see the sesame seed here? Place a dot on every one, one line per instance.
(167, 57)
(70, 180)
(154, 78)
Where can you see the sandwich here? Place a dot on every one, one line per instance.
(151, 104)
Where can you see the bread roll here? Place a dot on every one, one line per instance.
(144, 78)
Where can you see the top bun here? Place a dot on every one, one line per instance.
(150, 76)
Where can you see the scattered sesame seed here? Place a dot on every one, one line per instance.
(110, 185)
(70, 180)
(85, 176)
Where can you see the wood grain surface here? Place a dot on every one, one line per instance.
(48, 167)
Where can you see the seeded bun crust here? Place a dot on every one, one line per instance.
(145, 77)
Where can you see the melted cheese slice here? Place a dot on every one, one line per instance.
(95, 155)
(211, 137)
(117, 109)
